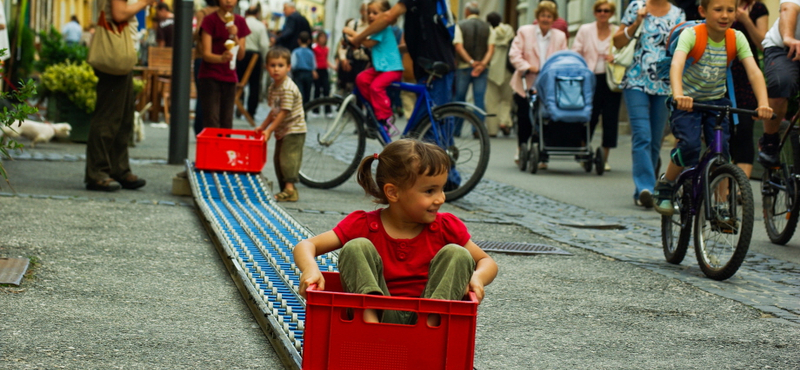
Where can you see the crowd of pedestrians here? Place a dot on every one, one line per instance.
(492, 59)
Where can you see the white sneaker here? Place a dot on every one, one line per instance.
(607, 167)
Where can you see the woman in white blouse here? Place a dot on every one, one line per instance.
(593, 42)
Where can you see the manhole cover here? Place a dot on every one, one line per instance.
(520, 248)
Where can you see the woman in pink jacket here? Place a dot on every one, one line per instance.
(593, 42)
(532, 46)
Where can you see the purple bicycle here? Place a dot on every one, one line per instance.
(717, 195)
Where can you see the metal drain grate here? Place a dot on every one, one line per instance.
(520, 248)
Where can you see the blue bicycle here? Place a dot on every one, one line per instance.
(717, 194)
(338, 129)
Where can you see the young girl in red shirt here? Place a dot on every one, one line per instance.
(407, 249)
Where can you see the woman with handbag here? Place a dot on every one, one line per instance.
(593, 42)
(112, 55)
(645, 94)
(531, 47)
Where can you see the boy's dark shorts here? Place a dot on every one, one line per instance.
(781, 73)
(687, 128)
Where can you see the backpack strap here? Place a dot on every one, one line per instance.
(700, 42)
(730, 45)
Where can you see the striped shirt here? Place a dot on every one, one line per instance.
(705, 80)
(286, 96)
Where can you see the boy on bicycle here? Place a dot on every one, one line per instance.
(704, 81)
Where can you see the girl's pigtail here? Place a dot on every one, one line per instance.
(364, 178)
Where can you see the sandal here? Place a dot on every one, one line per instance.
(287, 196)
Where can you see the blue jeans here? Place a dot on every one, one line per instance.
(648, 115)
(464, 79)
(441, 88)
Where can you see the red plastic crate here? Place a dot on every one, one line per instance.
(220, 149)
(332, 341)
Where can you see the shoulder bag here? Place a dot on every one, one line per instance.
(615, 70)
(112, 49)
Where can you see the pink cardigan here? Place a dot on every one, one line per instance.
(524, 53)
(586, 41)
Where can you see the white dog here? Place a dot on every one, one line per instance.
(37, 132)
(138, 125)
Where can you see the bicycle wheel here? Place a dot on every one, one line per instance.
(779, 194)
(468, 149)
(677, 229)
(334, 146)
(779, 197)
(721, 242)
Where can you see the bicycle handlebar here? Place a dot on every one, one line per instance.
(722, 108)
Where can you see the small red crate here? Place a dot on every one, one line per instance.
(333, 341)
(220, 149)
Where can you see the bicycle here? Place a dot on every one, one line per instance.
(335, 142)
(717, 194)
(779, 187)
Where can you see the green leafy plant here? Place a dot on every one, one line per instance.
(19, 112)
(78, 82)
(54, 50)
(75, 80)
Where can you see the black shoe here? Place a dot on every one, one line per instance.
(768, 151)
(108, 185)
(132, 182)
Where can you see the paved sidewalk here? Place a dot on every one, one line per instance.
(130, 280)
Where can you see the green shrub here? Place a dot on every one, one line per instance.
(54, 50)
(76, 80)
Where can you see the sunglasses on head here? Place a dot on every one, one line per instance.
(603, 11)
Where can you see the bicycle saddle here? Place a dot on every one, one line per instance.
(437, 69)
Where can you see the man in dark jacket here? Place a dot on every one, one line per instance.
(294, 24)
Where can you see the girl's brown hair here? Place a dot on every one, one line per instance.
(400, 163)
(383, 5)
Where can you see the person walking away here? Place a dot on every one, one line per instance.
(426, 37)
(645, 94)
(782, 71)
(593, 42)
(752, 19)
(72, 31)
(256, 43)
(111, 126)
(165, 34)
(217, 80)
(387, 67)
(294, 25)
(286, 119)
(352, 60)
(474, 44)
(532, 46)
(408, 248)
(304, 66)
(704, 82)
(322, 84)
(498, 93)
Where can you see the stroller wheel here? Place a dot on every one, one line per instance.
(533, 161)
(587, 163)
(599, 163)
(523, 157)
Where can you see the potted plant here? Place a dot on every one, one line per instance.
(72, 96)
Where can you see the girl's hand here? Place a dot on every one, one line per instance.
(476, 285)
(533, 69)
(609, 58)
(314, 75)
(742, 14)
(311, 277)
(684, 102)
(227, 56)
(233, 30)
(764, 113)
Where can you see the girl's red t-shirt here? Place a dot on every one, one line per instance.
(215, 26)
(405, 261)
(321, 56)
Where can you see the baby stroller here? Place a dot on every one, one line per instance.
(560, 111)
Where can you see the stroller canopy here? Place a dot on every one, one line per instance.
(566, 87)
